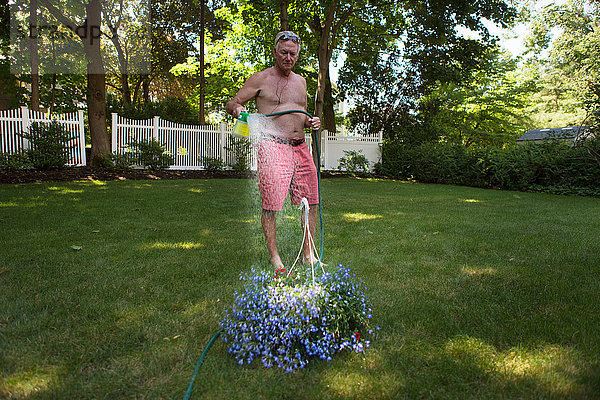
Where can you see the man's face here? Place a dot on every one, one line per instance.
(286, 55)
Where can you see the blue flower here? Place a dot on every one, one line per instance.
(288, 322)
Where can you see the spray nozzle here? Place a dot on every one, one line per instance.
(244, 116)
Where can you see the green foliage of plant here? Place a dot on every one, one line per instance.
(240, 149)
(212, 164)
(564, 64)
(120, 161)
(116, 162)
(486, 110)
(436, 163)
(353, 161)
(529, 164)
(13, 94)
(149, 154)
(592, 106)
(14, 162)
(171, 109)
(48, 145)
(552, 166)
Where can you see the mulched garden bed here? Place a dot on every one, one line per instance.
(99, 174)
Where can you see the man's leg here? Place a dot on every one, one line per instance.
(269, 225)
(308, 250)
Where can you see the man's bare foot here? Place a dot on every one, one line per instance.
(276, 262)
(311, 260)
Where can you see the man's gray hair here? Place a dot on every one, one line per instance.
(287, 35)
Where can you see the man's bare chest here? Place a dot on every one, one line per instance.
(283, 91)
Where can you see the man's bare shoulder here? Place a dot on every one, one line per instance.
(301, 79)
(257, 77)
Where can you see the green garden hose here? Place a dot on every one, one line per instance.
(191, 385)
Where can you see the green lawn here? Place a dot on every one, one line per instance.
(111, 290)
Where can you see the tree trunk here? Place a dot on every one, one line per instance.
(96, 84)
(89, 33)
(123, 68)
(146, 89)
(283, 15)
(126, 90)
(34, 56)
(328, 107)
(201, 106)
(53, 94)
(324, 55)
(96, 98)
(123, 60)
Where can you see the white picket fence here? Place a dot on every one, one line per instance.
(14, 122)
(188, 144)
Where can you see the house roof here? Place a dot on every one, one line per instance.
(569, 132)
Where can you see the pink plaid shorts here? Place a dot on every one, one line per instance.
(283, 169)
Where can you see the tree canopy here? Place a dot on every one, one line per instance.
(405, 69)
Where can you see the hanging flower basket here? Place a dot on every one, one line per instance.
(286, 320)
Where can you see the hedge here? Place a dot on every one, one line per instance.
(552, 166)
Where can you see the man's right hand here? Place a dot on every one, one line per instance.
(238, 110)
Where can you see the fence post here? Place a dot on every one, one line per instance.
(81, 127)
(155, 127)
(113, 131)
(25, 124)
(324, 148)
(222, 138)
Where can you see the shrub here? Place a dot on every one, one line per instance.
(286, 321)
(212, 164)
(48, 145)
(150, 154)
(13, 162)
(436, 163)
(553, 166)
(241, 150)
(529, 164)
(395, 160)
(353, 161)
(121, 161)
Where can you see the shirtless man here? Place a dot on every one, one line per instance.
(284, 160)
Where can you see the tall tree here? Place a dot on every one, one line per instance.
(387, 74)
(327, 20)
(487, 110)
(202, 85)
(88, 30)
(326, 24)
(34, 56)
(283, 15)
(11, 94)
(566, 66)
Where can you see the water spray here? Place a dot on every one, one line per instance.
(242, 129)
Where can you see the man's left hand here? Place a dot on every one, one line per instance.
(314, 123)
